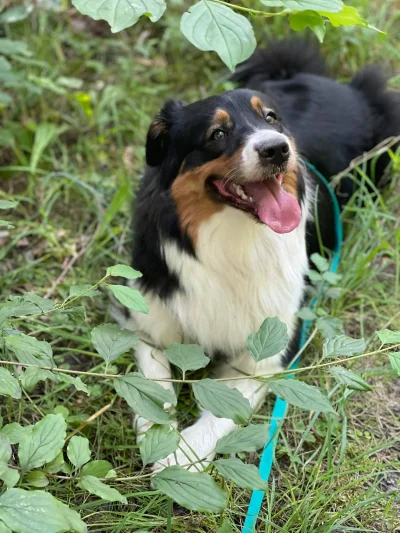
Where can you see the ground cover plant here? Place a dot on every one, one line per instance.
(76, 104)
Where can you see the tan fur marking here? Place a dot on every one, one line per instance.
(221, 116)
(257, 105)
(290, 178)
(193, 203)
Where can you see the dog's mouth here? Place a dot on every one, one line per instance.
(267, 200)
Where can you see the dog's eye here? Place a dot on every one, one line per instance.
(270, 117)
(218, 134)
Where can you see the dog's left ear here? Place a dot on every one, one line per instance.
(158, 134)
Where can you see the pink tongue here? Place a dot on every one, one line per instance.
(275, 207)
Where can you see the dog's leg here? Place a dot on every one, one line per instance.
(153, 364)
(199, 440)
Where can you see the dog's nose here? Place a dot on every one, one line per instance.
(274, 152)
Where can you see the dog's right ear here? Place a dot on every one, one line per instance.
(158, 135)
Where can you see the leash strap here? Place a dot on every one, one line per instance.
(281, 406)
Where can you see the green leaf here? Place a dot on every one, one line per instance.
(309, 19)
(29, 350)
(123, 271)
(96, 469)
(5, 204)
(78, 451)
(331, 277)
(110, 341)
(9, 476)
(121, 14)
(329, 326)
(306, 313)
(348, 378)
(4, 528)
(248, 439)
(303, 5)
(45, 134)
(186, 356)
(44, 443)
(76, 290)
(197, 492)
(320, 262)
(348, 16)
(245, 476)
(225, 528)
(314, 275)
(301, 395)
(158, 443)
(145, 397)
(386, 336)
(30, 304)
(37, 479)
(5, 224)
(15, 14)
(9, 385)
(15, 432)
(271, 338)
(55, 465)
(343, 346)
(222, 401)
(37, 512)
(5, 449)
(32, 375)
(5, 100)
(74, 381)
(12, 48)
(394, 359)
(212, 26)
(93, 485)
(130, 298)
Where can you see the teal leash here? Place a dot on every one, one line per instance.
(281, 406)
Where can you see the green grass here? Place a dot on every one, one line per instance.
(72, 159)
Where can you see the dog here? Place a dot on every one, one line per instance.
(224, 216)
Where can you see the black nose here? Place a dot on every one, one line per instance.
(274, 152)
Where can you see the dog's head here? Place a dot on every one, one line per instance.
(227, 150)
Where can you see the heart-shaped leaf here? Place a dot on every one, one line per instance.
(187, 356)
(111, 341)
(197, 492)
(130, 298)
(222, 401)
(270, 339)
(78, 451)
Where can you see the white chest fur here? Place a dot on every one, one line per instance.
(244, 272)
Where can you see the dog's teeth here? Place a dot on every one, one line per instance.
(240, 192)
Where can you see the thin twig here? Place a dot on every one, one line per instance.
(90, 419)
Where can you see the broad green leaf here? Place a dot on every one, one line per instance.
(270, 339)
(44, 443)
(386, 336)
(37, 512)
(301, 395)
(5, 449)
(96, 469)
(56, 465)
(245, 476)
(158, 443)
(6, 204)
(314, 275)
(197, 492)
(75, 290)
(303, 5)
(78, 451)
(32, 375)
(331, 277)
(15, 14)
(186, 356)
(348, 378)
(306, 313)
(225, 528)
(145, 397)
(343, 346)
(93, 485)
(111, 341)
(222, 401)
(74, 381)
(4, 528)
(248, 439)
(11, 48)
(5, 100)
(29, 350)
(121, 14)
(9, 384)
(30, 304)
(9, 476)
(15, 432)
(5, 224)
(37, 479)
(320, 262)
(209, 25)
(394, 359)
(348, 16)
(123, 271)
(130, 298)
(329, 326)
(309, 19)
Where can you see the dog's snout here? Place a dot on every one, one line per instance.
(273, 152)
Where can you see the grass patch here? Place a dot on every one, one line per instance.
(72, 151)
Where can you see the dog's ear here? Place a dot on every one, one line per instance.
(158, 134)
